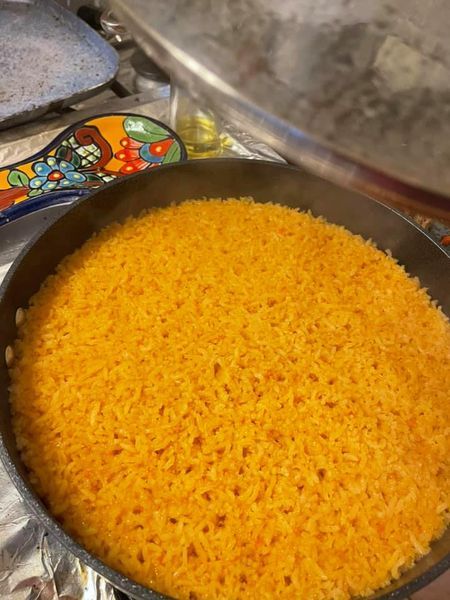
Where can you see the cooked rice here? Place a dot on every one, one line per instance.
(237, 400)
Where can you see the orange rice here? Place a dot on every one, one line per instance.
(236, 400)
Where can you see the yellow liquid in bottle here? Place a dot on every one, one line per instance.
(200, 136)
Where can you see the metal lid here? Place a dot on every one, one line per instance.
(356, 91)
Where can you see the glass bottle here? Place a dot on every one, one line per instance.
(196, 125)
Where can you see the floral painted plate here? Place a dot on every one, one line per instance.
(83, 157)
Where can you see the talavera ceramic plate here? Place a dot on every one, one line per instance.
(83, 157)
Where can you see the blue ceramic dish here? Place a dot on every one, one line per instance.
(50, 58)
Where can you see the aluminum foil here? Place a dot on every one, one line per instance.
(34, 565)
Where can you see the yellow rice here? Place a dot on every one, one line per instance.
(236, 400)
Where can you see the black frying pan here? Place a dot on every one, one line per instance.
(211, 178)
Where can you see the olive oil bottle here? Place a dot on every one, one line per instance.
(198, 127)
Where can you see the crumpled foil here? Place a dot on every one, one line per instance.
(33, 564)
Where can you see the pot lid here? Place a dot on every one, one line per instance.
(357, 91)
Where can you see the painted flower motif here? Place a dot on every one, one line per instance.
(55, 173)
(138, 155)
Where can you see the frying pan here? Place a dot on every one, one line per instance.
(211, 178)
